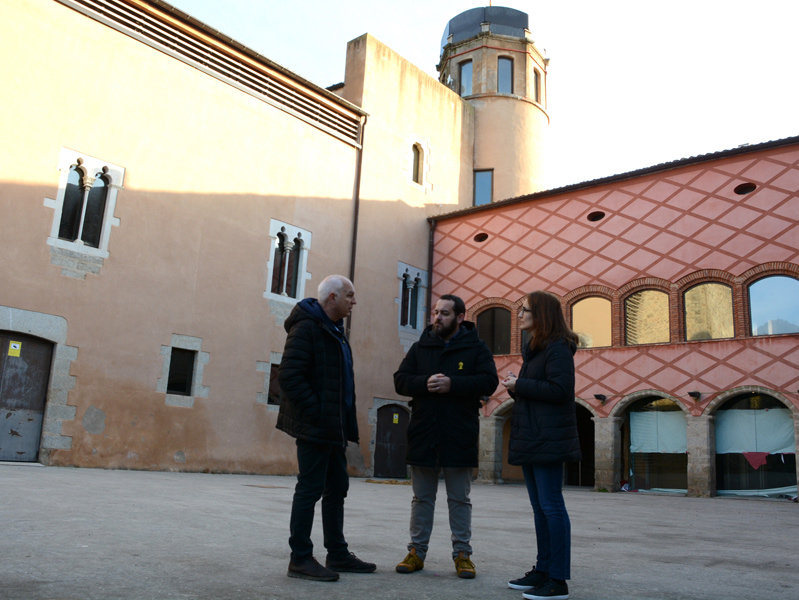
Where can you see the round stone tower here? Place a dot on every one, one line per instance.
(490, 59)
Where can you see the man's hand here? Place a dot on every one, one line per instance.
(439, 384)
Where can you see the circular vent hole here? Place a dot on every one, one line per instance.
(481, 237)
(745, 188)
(596, 216)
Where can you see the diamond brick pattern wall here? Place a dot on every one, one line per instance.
(666, 225)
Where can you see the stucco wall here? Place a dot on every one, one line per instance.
(207, 167)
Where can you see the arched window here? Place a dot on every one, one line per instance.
(410, 301)
(504, 75)
(95, 211)
(655, 443)
(83, 209)
(755, 447)
(773, 306)
(591, 321)
(286, 260)
(417, 163)
(493, 327)
(646, 317)
(708, 312)
(465, 78)
(72, 207)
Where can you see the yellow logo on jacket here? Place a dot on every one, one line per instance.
(460, 366)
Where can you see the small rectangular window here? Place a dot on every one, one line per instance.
(181, 372)
(504, 76)
(537, 84)
(483, 187)
(465, 78)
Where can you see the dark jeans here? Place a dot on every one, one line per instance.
(323, 474)
(552, 525)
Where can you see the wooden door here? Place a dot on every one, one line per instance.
(391, 441)
(24, 375)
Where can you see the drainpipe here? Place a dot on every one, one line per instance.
(356, 199)
(430, 271)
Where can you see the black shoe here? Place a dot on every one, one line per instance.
(530, 580)
(350, 564)
(309, 568)
(549, 590)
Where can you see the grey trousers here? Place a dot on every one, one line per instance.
(458, 482)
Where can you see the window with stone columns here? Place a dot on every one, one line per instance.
(288, 261)
(83, 212)
(412, 297)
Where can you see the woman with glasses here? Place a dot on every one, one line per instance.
(543, 436)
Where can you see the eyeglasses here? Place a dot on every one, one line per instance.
(524, 309)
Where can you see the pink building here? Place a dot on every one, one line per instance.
(682, 280)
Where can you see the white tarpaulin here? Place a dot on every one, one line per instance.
(657, 431)
(739, 431)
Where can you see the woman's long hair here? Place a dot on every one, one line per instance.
(548, 320)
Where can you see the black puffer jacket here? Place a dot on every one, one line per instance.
(446, 426)
(312, 405)
(544, 421)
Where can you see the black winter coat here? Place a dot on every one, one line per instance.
(312, 405)
(544, 420)
(444, 428)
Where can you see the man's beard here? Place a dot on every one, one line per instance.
(444, 331)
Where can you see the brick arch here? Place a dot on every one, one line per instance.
(588, 291)
(486, 303)
(596, 291)
(645, 283)
(787, 269)
(696, 278)
(648, 283)
(747, 278)
(704, 276)
(720, 398)
(622, 405)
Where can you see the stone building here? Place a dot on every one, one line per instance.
(167, 195)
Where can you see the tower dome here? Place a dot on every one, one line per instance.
(489, 58)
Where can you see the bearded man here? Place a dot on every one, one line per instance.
(446, 373)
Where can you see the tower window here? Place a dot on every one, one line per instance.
(504, 75)
(483, 184)
(537, 85)
(465, 78)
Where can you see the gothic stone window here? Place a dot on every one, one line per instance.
(288, 261)
(83, 212)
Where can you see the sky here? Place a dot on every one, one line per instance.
(631, 84)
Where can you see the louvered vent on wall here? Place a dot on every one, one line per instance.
(144, 27)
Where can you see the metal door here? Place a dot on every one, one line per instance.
(24, 375)
(391, 441)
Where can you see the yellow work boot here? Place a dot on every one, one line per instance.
(464, 566)
(411, 563)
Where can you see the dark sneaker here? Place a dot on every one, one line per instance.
(411, 563)
(549, 590)
(464, 567)
(350, 564)
(309, 568)
(530, 580)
